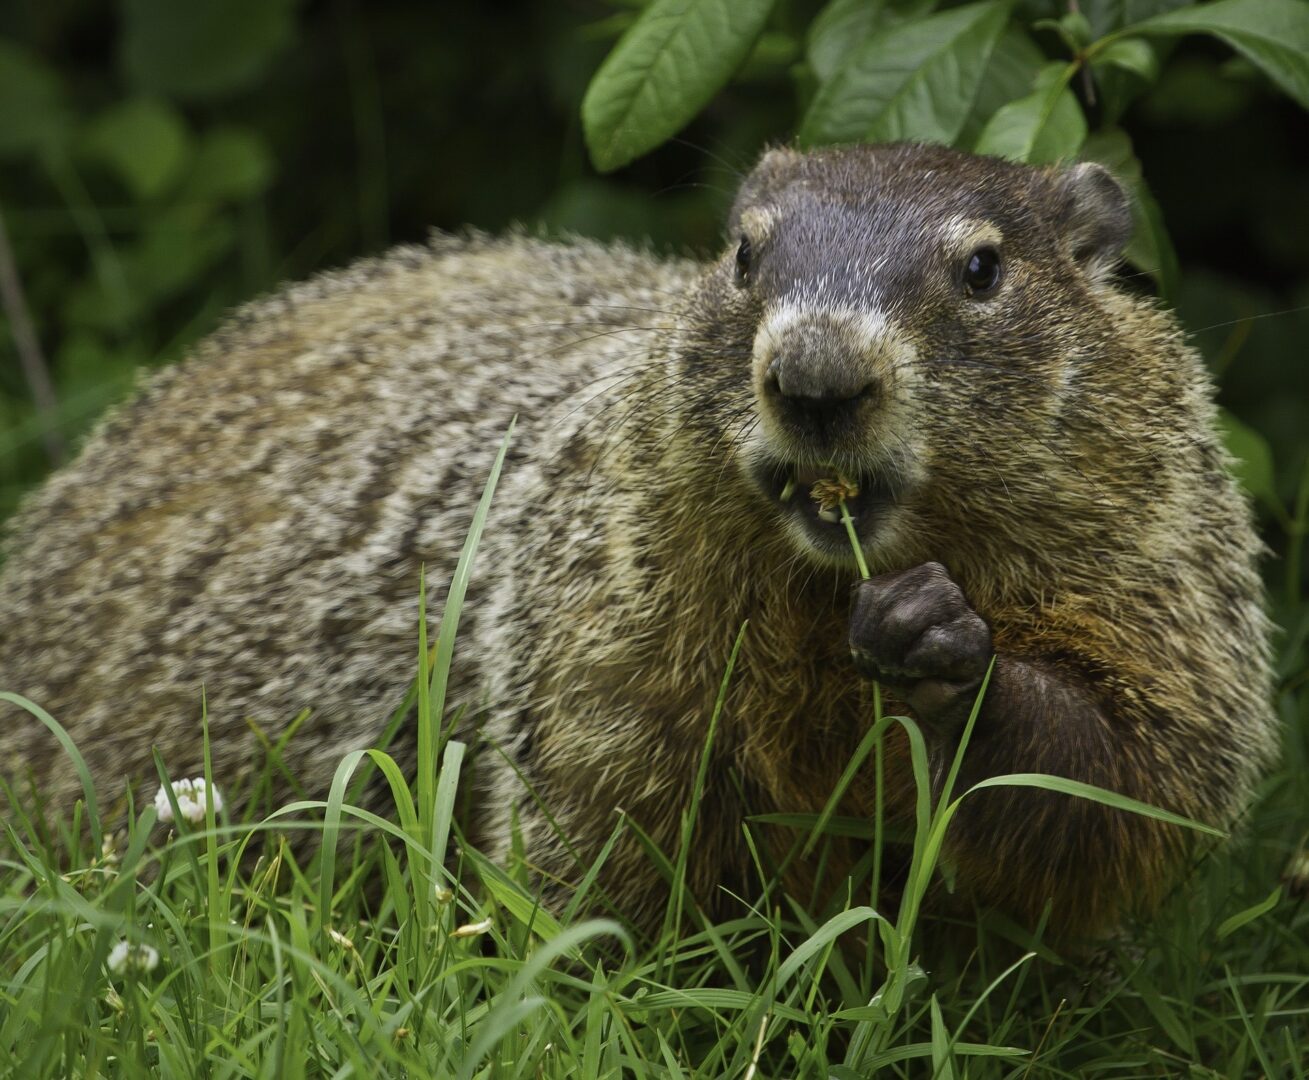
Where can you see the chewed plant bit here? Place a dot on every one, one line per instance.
(831, 490)
(126, 957)
(191, 798)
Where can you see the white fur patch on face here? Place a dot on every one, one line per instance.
(868, 335)
(757, 222)
(961, 235)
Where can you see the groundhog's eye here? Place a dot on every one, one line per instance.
(982, 271)
(744, 253)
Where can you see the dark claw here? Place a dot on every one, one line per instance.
(915, 632)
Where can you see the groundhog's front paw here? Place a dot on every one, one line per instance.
(915, 633)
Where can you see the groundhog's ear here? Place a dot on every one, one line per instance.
(775, 170)
(1095, 216)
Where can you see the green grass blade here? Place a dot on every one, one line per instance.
(69, 748)
(1094, 794)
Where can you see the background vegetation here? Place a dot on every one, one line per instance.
(161, 161)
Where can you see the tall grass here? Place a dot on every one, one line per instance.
(397, 949)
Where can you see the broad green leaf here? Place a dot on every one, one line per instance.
(1271, 34)
(917, 80)
(1076, 28)
(1234, 923)
(32, 109)
(1045, 126)
(144, 141)
(201, 48)
(1122, 72)
(1130, 54)
(1109, 15)
(843, 25)
(663, 71)
(1015, 62)
(1253, 456)
(1072, 28)
(839, 29)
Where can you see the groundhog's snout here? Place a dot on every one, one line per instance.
(817, 403)
(821, 375)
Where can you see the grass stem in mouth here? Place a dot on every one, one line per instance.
(848, 522)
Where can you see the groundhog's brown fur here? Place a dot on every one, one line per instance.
(254, 523)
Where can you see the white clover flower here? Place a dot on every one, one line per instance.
(125, 957)
(191, 796)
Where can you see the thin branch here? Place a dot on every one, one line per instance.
(28, 347)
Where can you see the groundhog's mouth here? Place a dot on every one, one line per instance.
(793, 488)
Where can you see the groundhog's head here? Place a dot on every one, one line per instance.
(908, 317)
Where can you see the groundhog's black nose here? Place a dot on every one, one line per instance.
(815, 402)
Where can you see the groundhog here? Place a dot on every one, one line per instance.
(1040, 493)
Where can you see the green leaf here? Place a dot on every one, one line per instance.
(1073, 28)
(1092, 793)
(1233, 923)
(1109, 15)
(916, 80)
(909, 1051)
(144, 141)
(1123, 71)
(663, 71)
(231, 164)
(1253, 464)
(1011, 73)
(1130, 54)
(712, 998)
(75, 757)
(1272, 34)
(33, 113)
(1045, 126)
(827, 933)
(201, 48)
(1159, 1007)
(843, 25)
